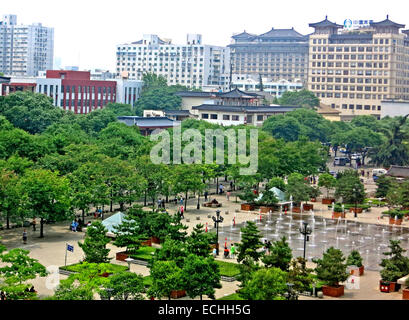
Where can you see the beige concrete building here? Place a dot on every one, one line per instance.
(353, 71)
(279, 54)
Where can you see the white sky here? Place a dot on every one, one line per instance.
(86, 31)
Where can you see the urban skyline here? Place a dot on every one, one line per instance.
(88, 37)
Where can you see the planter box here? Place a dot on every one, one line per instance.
(333, 291)
(147, 243)
(212, 205)
(395, 221)
(339, 215)
(308, 207)
(387, 286)
(247, 207)
(359, 273)
(358, 210)
(176, 294)
(405, 294)
(327, 200)
(297, 209)
(121, 256)
(155, 240)
(266, 209)
(313, 199)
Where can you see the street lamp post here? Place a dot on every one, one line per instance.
(306, 232)
(128, 261)
(109, 292)
(355, 191)
(217, 220)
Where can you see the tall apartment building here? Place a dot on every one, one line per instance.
(353, 71)
(25, 49)
(279, 54)
(193, 65)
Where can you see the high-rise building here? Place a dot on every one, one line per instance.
(279, 54)
(25, 49)
(194, 64)
(353, 71)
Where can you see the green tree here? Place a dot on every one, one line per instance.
(282, 127)
(299, 275)
(94, 245)
(302, 98)
(327, 181)
(133, 229)
(171, 250)
(350, 188)
(200, 276)
(266, 284)
(70, 290)
(395, 265)
(126, 286)
(47, 196)
(199, 241)
(10, 200)
(331, 268)
(250, 242)
(280, 255)
(298, 188)
(17, 269)
(394, 151)
(384, 184)
(166, 277)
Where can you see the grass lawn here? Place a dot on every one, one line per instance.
(233, 296)
(228, 269)
(144, 253)
(147, 281)
(110, 268)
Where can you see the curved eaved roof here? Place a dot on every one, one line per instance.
(325, 24)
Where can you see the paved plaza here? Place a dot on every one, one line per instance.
(50, 250)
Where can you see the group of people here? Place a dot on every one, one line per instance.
(161, 203)
(76, 225)
(226, 252)
(267, 246)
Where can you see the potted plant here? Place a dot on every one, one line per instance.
(249, 197)
(355, 259)
(332, 270)
(267, 201)
(405, 291)
(300, 190)
(394, 267)
(327, 181)
(315, 193)
(395, 217)
(338, 211)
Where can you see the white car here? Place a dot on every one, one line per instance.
(379, 172)
(355, 156)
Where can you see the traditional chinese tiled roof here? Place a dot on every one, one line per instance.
(325, 23)
(387, 23)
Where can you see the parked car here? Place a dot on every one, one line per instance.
(378, 172)
(340, 161)
(355, 156)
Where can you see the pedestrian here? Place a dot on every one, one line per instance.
(231, 185)
(314, 179)
(226, 253)
(2, 295)
(182, 209)
(214, 252)
(367, 174)
(34, 224)
(363, 173)
(268, 246)
(25, 236)
(228, 195)
(159, 203)
(73, 225)
(232, 251)
(205, 195)
(181, 201)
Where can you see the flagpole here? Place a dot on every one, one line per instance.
(65, 264)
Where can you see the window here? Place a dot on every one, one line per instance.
(235, 118)
(205, 116)
(226, 117)
(260, 117)
(213, 116)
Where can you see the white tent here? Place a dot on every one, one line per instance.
(112, 222)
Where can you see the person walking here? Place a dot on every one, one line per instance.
(205, 195)
(34, 224)
(181, 201)
(228, 195)
(25, 236)
(214, 252)
(232, 251)
(182, 209)
(226, 253)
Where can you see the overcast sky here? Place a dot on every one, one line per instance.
(86, 31)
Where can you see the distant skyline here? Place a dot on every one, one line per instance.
(86, 32)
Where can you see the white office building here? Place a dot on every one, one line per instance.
(193, 64)
(275, 88)
(25, 49)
